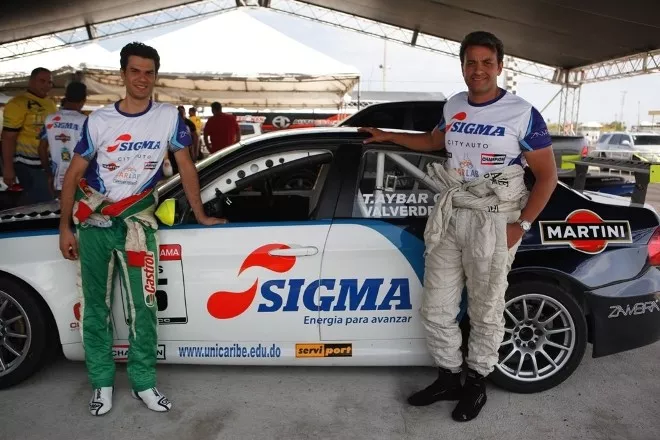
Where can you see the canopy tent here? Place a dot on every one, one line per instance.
(265, 69)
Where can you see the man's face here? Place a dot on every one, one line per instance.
(139, 77)
(41, 84)
(481, 69)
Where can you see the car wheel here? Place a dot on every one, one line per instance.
(545, 338)
(23, 336)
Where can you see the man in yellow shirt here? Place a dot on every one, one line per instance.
(192, 112)
(24, 117)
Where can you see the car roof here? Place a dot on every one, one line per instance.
(339, 133)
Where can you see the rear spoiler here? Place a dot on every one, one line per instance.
(644, 172)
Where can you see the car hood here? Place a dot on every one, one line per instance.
(27, 212)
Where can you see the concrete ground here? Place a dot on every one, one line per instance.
(611, 398)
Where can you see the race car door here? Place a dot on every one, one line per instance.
(375, 248)
(253, 279)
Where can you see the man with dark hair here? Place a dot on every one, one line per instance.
(109, 193)
(222, 128)
(479, 219)
(24, 117)
(61, 133)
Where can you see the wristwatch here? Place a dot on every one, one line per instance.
(524, 224)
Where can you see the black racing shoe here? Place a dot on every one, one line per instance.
(446, 387)
(473, 397)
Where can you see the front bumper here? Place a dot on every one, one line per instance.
(625, 315)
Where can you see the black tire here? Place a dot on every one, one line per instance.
(15, 299)
(535, 292)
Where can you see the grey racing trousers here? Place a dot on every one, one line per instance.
(466, 246)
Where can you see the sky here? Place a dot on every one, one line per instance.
(409, 68)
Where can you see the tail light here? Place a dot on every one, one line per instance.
(654, 248)
(585, 151)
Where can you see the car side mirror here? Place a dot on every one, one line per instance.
(625, 143)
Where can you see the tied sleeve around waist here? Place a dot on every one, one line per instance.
(137, 211)
(503, 190)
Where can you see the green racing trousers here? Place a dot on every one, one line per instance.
(102, 253)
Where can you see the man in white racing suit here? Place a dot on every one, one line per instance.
(479, 219)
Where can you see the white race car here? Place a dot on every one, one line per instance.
(322, 264)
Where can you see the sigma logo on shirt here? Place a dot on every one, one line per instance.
(290, 295)
(492, 159)
(149, 279)
(128, 176)
(457, 125)
(124, 142)
(585, 231)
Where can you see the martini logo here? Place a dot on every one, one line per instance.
(62, 137)
(52, 122)
(110, 166)
(290, 295)
(121, 138)
(585, 231)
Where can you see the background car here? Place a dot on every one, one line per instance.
(628, 146)
(322, 263)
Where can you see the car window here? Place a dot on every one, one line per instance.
(603, 138)
(427, 116)
(247, 129)
(400, 194)
(390, 116)
(615, 139)
(277, 187)
(645, 139)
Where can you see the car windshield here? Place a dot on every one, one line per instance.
(645, 139)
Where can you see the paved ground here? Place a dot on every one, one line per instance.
(613, 398)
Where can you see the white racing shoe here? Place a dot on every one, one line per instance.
(101, 401)
(154, 400)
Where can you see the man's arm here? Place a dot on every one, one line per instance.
(542, 163)
(432, 141)
(43, 155)
(75, 172)
(190, 183)
(238, 131)
(8, 152)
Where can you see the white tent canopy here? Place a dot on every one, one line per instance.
(238, 61)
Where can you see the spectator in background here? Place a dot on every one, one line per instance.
(24, 118)
(60, 134)
(192, 112)
(222, 128)
(194, 133)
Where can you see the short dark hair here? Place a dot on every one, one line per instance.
(179, 108)
(216, 106)
(37, 71)
(141, 50)
(482, 38)
(192, 110)
(76, 92)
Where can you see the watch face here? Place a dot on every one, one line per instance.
(526, 225)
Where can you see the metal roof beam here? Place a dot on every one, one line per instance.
(108, 29)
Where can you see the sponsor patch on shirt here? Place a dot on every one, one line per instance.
(493, 159)
(150, 165)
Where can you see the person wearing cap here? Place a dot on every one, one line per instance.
(60, 134)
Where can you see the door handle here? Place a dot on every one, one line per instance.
(294, 252)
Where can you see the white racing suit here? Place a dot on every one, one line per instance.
(466, 244)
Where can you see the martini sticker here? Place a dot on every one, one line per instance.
(585, 231)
